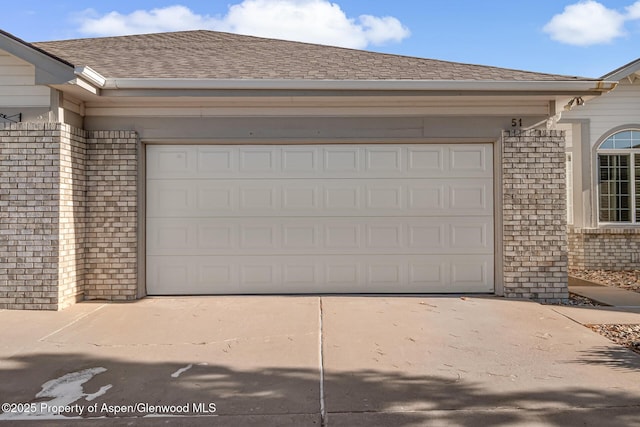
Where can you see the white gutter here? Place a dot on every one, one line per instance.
(90, 75)
(439, 85)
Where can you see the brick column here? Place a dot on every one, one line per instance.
(534, 215)
(71, 216)
(112, 209)
(41, 204)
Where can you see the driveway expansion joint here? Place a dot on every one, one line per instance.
(323, 408)
(73, 322)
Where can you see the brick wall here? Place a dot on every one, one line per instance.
(534, 215)
(29, 208)
(112, 209)
(604, 249)
(68, 210)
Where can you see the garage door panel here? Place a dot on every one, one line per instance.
(342, 160)
(317, 236)
(469, 272)
(172, 198)
(328, 197)
(172, 162)
(470, 160)
(301, 198)
(340, 199)
(218, 161)
(342, 237)
(385, 236)
(218, 275)
(384, 159)
(337, 161)
(258, 275)
(174, 236)
(299, 236)
(383, 197)
(428, 198)
(305, 273)
(337, 274)
(470, 198)
(319, 218)
(468, 236)
(168, 275)
(427, 237)
(258, 161)
(257, 198)
(258, 237)
(427, 161)
(430, 272)
(300, 160)
(211, 237)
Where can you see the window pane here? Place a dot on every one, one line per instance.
(624, 175)
(615, 188)
(608, 144)
(624, 202)
(635, 139)
(623, 188)
(624, 140)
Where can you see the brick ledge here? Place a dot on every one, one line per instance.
(606, 231)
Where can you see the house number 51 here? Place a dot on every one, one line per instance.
(515, 123)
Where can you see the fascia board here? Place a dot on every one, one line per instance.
(624, 71)
(49, 70)
(409, 85)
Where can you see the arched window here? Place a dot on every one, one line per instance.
(619, 177)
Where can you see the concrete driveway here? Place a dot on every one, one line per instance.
(336, 361)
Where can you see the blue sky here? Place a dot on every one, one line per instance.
(575, 37)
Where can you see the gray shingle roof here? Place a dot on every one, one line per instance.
(217, 55)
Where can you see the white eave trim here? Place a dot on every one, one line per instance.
(436, 85)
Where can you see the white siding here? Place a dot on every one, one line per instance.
(616, 108)
(17, 84)
(620, 107)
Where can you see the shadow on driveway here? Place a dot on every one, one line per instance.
(292, 396)
(614, 356)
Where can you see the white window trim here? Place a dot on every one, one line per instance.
(635, 222)
(569, 166)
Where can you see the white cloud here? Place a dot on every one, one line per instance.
(172, 18)
(588, 22)
(633, 11)
(314, 21)
(381, 30)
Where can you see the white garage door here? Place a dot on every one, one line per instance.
(319, 219)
